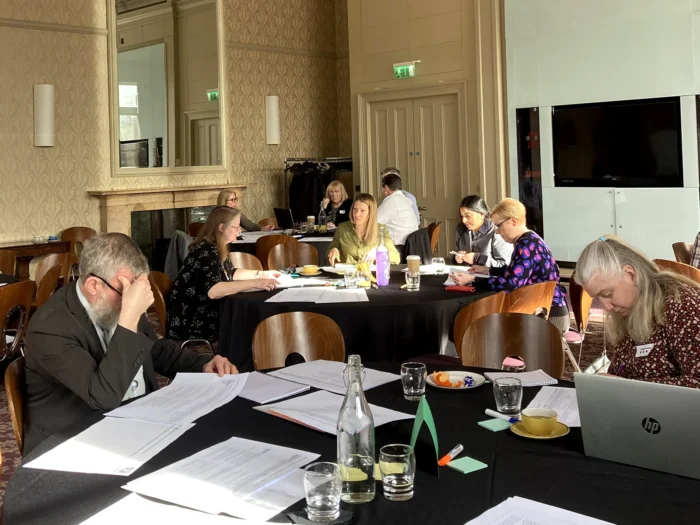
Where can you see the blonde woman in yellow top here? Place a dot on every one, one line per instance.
(357, 240)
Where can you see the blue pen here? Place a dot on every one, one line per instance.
(498, 415)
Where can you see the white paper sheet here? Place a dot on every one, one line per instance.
(263, 388)
(137, 510)
(287, 281)
(563, 400)
(461, 269)
(340, 295)
(267, 502)
(521, 511)
(215, 478)
(532, 378)
(320, 411)
(187, 398)
(329, 375)
(111, 446)
(316, 239)
(308, 294)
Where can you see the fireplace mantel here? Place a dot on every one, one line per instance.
(116, 205)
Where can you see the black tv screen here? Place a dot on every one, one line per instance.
(634, 144)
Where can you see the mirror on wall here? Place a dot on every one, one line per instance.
(167, 83)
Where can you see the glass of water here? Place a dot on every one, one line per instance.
(397, 465)
(352, 279)
(439, 265)
(412, 281)
(508, 392)
(413, 379)
(323, 487)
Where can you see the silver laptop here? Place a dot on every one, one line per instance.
(638, 423)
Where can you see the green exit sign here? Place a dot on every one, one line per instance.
(212, 95)
(406, 70)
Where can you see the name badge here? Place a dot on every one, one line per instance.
(644, 350)
(342, 212)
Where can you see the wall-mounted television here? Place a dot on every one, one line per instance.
(631, 144)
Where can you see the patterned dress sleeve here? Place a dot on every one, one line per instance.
(517, 273)
(209, 271)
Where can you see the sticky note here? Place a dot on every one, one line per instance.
(466, 465)
(494, 425)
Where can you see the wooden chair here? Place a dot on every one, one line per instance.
(77, 236)
(15, 301)
(535, 299)
(161, 285)
(16, 392)
(489, 340)
(291, 254)
(473, 311)
(434, 234)
(194, 228)
(682, 251)
(48, 285)
(683, 269)
(8, 261)
(246, 261)
(581, 305)
(269, 221)
(264, 244)
(63, 260)
(313, 336)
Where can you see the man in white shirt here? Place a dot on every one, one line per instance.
(396, 210)
(411, 197)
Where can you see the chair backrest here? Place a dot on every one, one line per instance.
(473, 311)
(683, 269)
(161, 285)
(489, 340)
(532, 299)
(8, 260)
(313, 336)
(247, 261)
(265, 243)
(193, 228)
(77, 236)
(48, 285)
(682, 251)
(434, 233)
(63, 260)
(269, 221)
(15, 300)
(291, 254)
(580, 303)
(15, 390)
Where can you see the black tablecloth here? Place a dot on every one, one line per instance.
(554, 472)
(7, 279)
(394, 325)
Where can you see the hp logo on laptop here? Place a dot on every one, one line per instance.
(651, 425)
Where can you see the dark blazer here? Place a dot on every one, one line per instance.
(69, 375)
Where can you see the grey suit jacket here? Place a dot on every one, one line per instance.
(69, 375)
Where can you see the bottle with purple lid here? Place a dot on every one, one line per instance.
(383, 263)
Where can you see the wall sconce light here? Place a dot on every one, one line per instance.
(44, 115)
(272, 119)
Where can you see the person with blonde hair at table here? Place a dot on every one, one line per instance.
(230, 198)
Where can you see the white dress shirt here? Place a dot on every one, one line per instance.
(396, 212)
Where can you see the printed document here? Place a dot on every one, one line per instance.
(263, 388)
(521, 511)
(563, 400)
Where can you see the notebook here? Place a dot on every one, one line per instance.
(534, 378)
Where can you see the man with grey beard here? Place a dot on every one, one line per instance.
(90, 346)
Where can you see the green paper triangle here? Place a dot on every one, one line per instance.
(424, 415)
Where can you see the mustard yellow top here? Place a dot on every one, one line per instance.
(352, 251)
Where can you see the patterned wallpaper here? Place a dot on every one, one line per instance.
(84, 13)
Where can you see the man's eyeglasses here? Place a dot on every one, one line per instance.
(498, 226)
(106, 283)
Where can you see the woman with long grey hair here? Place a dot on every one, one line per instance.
(653, 315)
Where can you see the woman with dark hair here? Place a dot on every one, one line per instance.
(207, 275)
(476, 239)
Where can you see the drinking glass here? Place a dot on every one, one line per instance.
(323, 487)
(412, 281)
(352, 279)
(508, 392)
(303, 227)
(413, 378)
(397, 465)
(439, 265)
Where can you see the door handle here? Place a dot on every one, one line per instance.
(422, 208)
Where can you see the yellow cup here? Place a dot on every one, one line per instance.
(309, 268)
(539, 421)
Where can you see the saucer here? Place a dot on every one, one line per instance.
(560, 430)
(302, 274)
(465, 380)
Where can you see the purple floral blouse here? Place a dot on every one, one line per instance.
(531, 263)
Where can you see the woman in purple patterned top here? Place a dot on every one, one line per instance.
(531, 262)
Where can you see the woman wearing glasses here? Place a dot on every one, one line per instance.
(476, 239)
(206, 276)
(230, 198)
(532, 261)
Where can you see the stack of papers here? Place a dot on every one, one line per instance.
(112, 446)
(563, 400)
(187, 398)
(263, 388)
(534, 378)
(320, 411)
(329, 375)
(521, 511)
(319, 294)
(287, 281)
(239, 477)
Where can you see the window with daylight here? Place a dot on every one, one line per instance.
(129, 128)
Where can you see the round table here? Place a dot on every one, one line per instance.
(394, 325)
(320, 241)
(7, 279)
(553, 472)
